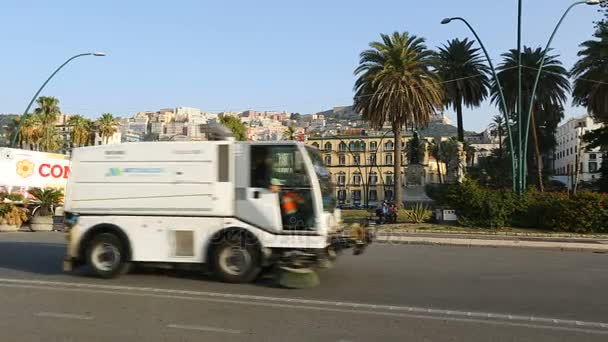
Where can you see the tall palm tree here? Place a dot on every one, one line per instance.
(396, 84)
(590, 74)
(47, 113)
(290, 133)
(498, 125)
(548, 109)
(107, 126)
(465, 77)
(80, 130)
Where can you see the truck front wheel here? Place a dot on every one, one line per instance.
(106, 256)
(235, 261)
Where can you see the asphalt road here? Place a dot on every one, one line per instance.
(391, 293)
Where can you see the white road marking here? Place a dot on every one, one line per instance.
(203, 328)
(63, 315)
(319, 305)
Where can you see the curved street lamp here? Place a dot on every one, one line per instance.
(534, 88)
(97, 54)
(500, 92)
(519, 166)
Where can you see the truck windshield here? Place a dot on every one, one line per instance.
(327, 187)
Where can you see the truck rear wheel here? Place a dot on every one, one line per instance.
(235, 261)
(106, 256)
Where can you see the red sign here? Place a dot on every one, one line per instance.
(54, 170)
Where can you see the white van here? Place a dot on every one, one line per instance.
(233, 206)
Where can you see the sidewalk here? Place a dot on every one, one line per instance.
(565, 242)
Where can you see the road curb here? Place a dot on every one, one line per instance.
(592, 246)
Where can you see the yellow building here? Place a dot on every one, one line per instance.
(362, 165)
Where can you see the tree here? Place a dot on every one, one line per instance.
(415, 150)
(590, 73)
(448, 153)
(29, 132)
(80, 130)
(235, 125)
(548, 109)
(107, 126)
(47, 113)
(464, 76)
(395, 84)
(469, 151)
(434, 151)
(498, 125)
(290, 134)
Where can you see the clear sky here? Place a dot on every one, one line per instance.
(297, 56)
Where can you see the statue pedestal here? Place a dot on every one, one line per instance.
(414, 185)
(414, 175)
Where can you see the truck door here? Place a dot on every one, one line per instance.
(279, 188)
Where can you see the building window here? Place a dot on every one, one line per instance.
(357, 159)
(592, 156)
(341, 179)
(316, 145)
(341, 159)
(592, 167)
(373, 195)
(341, 196)
(388, 195)
(357, 179)
(356, 196)
(575, 149)
(373, 178)
(388, 160)
(372, 159)
(389, 180)
(328, 160)
(389, 146)
(373, 146)
(328, 146)
(342, 147)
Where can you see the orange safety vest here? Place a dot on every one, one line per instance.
(289, 203)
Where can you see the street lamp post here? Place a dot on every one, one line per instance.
(500, 93)
(27, 109)
(518, 159)
(537, 79)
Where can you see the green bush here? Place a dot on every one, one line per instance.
(437, 192)
(586, 212)
(480, 207)
(476, 206)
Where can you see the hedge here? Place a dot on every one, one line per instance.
(587, 212)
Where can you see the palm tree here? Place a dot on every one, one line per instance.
(590, 74)
(80, 130)
(30, 131)
(290, 133)
(47, 113)
(465, 77)
(498, 125)
(395, 84)
(548, 109)
(106, 125)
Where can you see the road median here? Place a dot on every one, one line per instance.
(516, 240)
